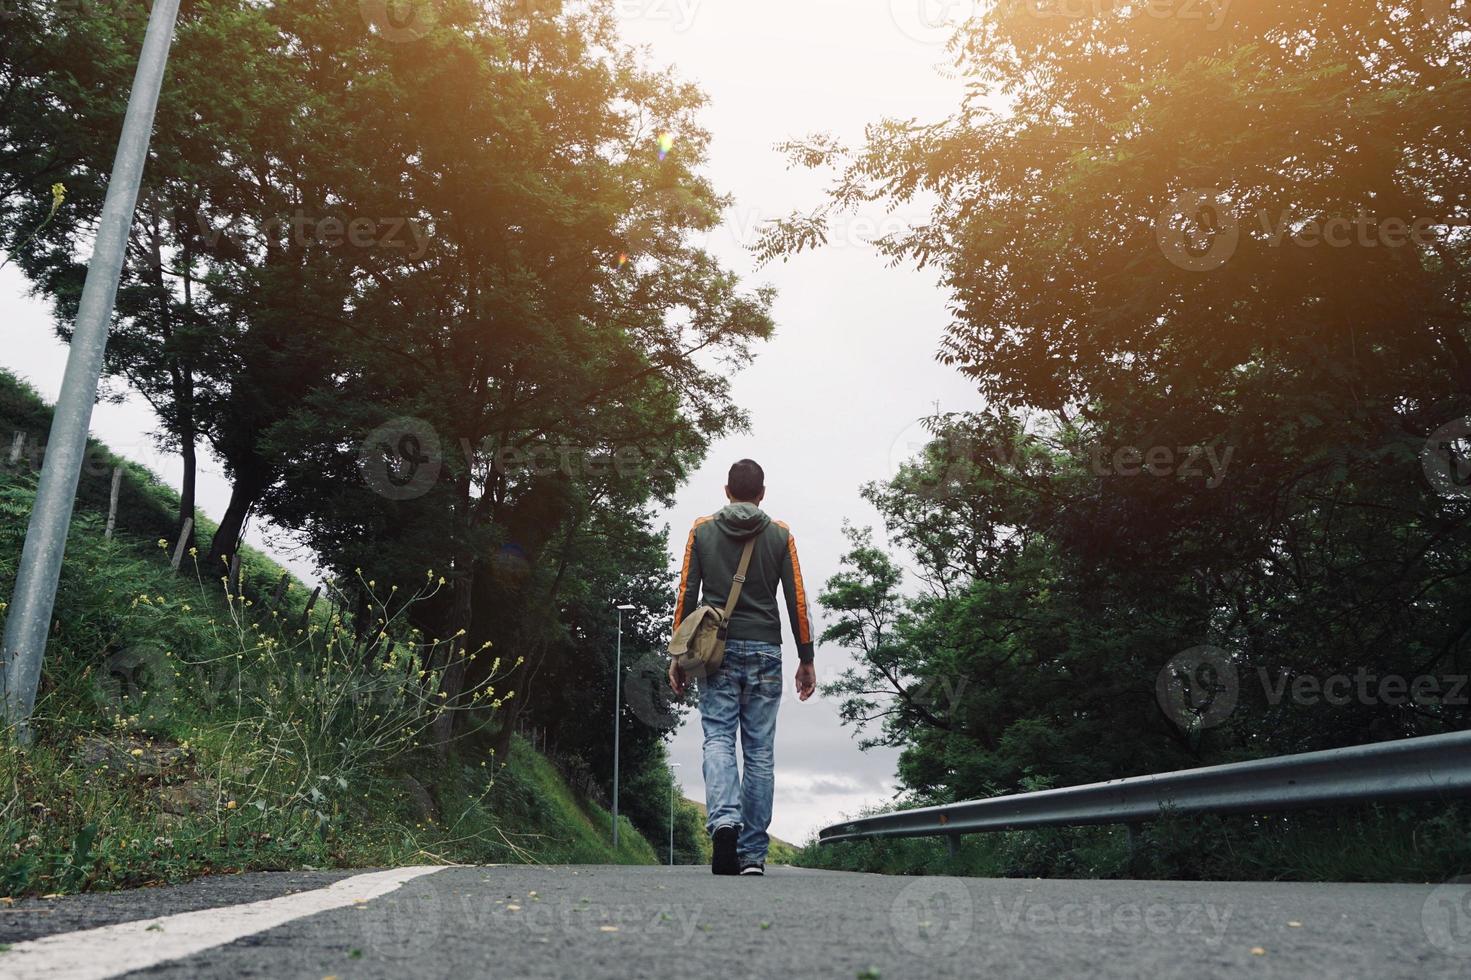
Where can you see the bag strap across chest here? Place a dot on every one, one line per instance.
(736, 583)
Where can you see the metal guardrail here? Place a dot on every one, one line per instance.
(1432, 767)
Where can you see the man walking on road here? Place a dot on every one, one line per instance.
(745, 691)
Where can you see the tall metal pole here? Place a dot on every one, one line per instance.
(34, 596)
(617, 700)
(672, 766)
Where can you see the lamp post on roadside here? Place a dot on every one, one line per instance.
(617, 704)
(672, 766)
(34, 595)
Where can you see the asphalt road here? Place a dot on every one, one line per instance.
(651, 922)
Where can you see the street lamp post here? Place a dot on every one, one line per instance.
(34, 595)
(672, 766)
(617, 704)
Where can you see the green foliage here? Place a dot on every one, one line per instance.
(259, 732)
(1171, 456)
(16, 501)
(544, 297)
(182, 730)
(556, 826)
(645, 794)
(1412, 843)
(146, 507)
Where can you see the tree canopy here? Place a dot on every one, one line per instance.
(1209, 275)
(427, 281)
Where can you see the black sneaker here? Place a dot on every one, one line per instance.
(723, 860)
(753, 868)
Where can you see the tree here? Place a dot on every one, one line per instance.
(554, 340)
(480, 223)
(1173, 232)
(215, 266)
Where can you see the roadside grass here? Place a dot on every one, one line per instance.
(781, 852)
(147, 508)
(1423, 842)
(174, 737)
(553, 823)
(180, 730)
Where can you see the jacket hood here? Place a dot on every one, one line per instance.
(741, 520)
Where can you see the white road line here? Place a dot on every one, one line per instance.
(94, 954)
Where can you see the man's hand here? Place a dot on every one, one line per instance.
(806, 680)
(677, 680)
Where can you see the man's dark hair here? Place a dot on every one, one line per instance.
(746, 481)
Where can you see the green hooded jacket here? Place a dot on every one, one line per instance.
(711, 556)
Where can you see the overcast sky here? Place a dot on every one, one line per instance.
(833, 398)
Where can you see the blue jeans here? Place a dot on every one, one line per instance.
(744, 693)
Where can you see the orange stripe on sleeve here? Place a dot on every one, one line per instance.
(684, 574)
(804, 619)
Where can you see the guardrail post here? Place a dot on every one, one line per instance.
(1135, 830)
(952, 841)
(117, 477)
(183, 540)
(306, 615)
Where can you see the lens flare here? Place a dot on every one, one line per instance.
(666, 143)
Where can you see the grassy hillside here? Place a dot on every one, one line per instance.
(147, 508)
(180, 730)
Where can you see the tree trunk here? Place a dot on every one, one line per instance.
(181, 379)
(250, 482)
